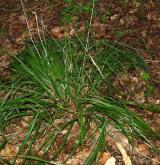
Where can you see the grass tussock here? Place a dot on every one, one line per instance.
(60, 81)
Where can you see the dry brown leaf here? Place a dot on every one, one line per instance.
(82, 28)
(72, 32)
(8, 150)
(110, 140)
(57, 32)
(4, 61)
(73, 162)
(143, 149)
(100, 29)
(105, 156)
(144, 33)
(156, 160)
(126, 158)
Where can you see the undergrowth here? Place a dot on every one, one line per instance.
(58, 84)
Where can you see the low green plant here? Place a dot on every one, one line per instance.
(149, 86)
(2, 32)
(145, 76)
(73, 9)
(105, 16)
(61, 81)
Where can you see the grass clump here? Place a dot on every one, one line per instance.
(75, 9)
(58, 84)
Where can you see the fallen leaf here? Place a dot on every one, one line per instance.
(156, 160)
(113, 17)
(72, 32)
(73, 162)
(143, 149)
(100, 30)
(8, 150)
(111, 161)
(126, 158)
(4, 61)
(57, 32)
(110, 140)
(105, 156)
(144, 33)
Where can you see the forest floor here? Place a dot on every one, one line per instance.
(135, 23)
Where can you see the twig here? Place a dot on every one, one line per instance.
(26, 19)
(90, 24)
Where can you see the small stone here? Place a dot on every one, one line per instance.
(121, 21)
(64, 132)
(113, 17)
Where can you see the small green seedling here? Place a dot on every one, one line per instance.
(149, 87)
(2, 32)
(145, 76)
(105, 16)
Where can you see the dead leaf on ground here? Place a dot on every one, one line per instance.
(143, 149)
(4, 61)
(105, 156)
(57, 32)
(111, 161)
(126, 158)
(73, 162)
(9, 150)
